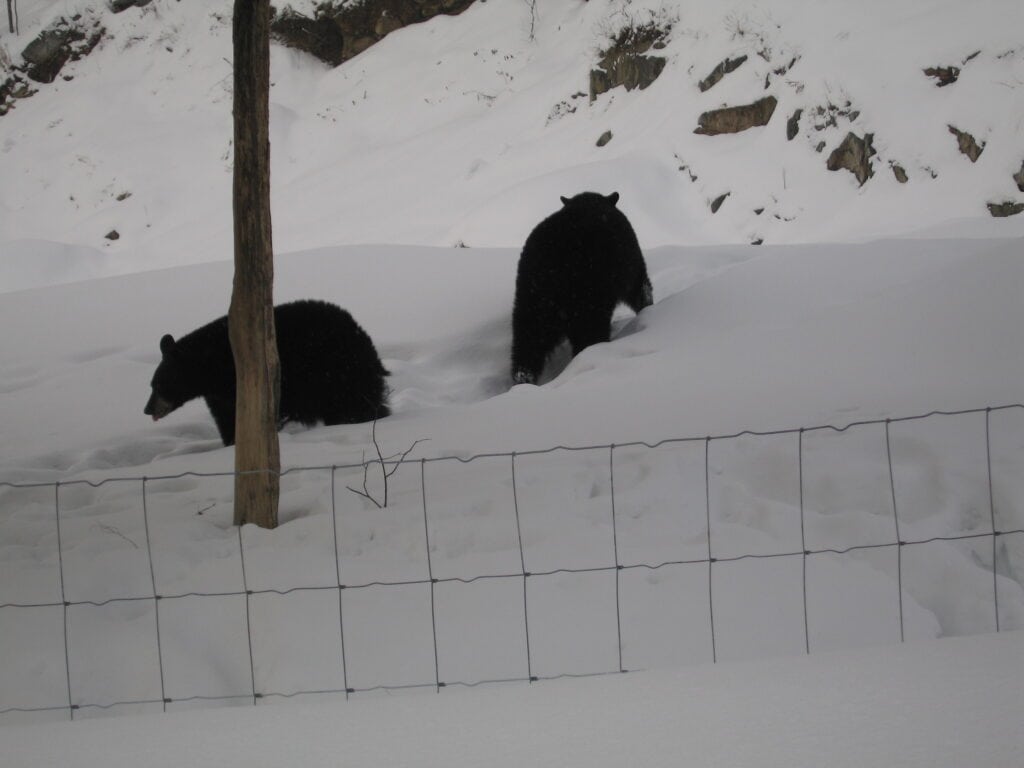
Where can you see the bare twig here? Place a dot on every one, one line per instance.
(382, 461)
(111, 529)
(365, 493)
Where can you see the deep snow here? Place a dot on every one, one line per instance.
(896, 301)
(931, 705)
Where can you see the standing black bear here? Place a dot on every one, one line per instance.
(576, 267)
(330, 371)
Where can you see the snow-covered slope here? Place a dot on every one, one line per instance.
(864, 303)
(739, 338)
(935, 705)
(466, 130)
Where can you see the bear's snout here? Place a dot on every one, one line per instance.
(157, 407)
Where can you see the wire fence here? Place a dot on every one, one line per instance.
(623, 498)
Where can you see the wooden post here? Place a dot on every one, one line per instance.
(251, 317)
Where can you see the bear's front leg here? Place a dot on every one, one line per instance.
(223, 411)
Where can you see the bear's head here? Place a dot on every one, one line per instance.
(170, 391)
(591, 198)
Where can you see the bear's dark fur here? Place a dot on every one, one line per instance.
(330, 371)
(576, 267)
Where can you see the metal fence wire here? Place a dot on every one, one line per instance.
(617, 483)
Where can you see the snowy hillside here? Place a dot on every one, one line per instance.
(466, 130)
(674, 537)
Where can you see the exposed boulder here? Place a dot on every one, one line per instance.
(339, 31)
(967, 143)
(625, 61)
(47, 53)
(52, 48)
(948, 75)
(1019, 177)
(1007, 208)
(604, 138)
(900, 173)
(736, 119)
(793, 125)
(319, 36)
(123, 5)
(723, 69)
(717, 202)
(854, 154)
(943, 75)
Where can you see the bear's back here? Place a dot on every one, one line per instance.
(587, 233)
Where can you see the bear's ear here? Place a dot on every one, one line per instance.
(565, 200)
(613, 198)
(166, 344)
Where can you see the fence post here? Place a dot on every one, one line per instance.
(156, 597)
(711, 559)
(615, 551)
(896, 521)
(430, 573)
(992, 513)
(522, 562)
(803, 537)
(337, 573)
(63, 597)
(248, 618)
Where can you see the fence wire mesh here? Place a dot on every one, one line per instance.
(569, 561)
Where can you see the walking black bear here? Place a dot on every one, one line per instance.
(576, 267)
(330, 371)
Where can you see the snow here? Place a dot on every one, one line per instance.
(864, 305)
(463, 109)
(950, 703)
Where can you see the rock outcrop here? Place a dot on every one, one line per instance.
(626, 63)
(318, 36)
(723, 69)
(736, 119)
(967, 143)
(854, 155)
(1008, 208)
(337, 32)
(47, 53)
(117, 6)
(52, 48)
(943, 75)
(793, 125)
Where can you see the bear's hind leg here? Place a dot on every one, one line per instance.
(533, 340)
(590, 330)
(528, 359)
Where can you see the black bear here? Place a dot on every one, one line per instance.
(330, 371)
(576, 267)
